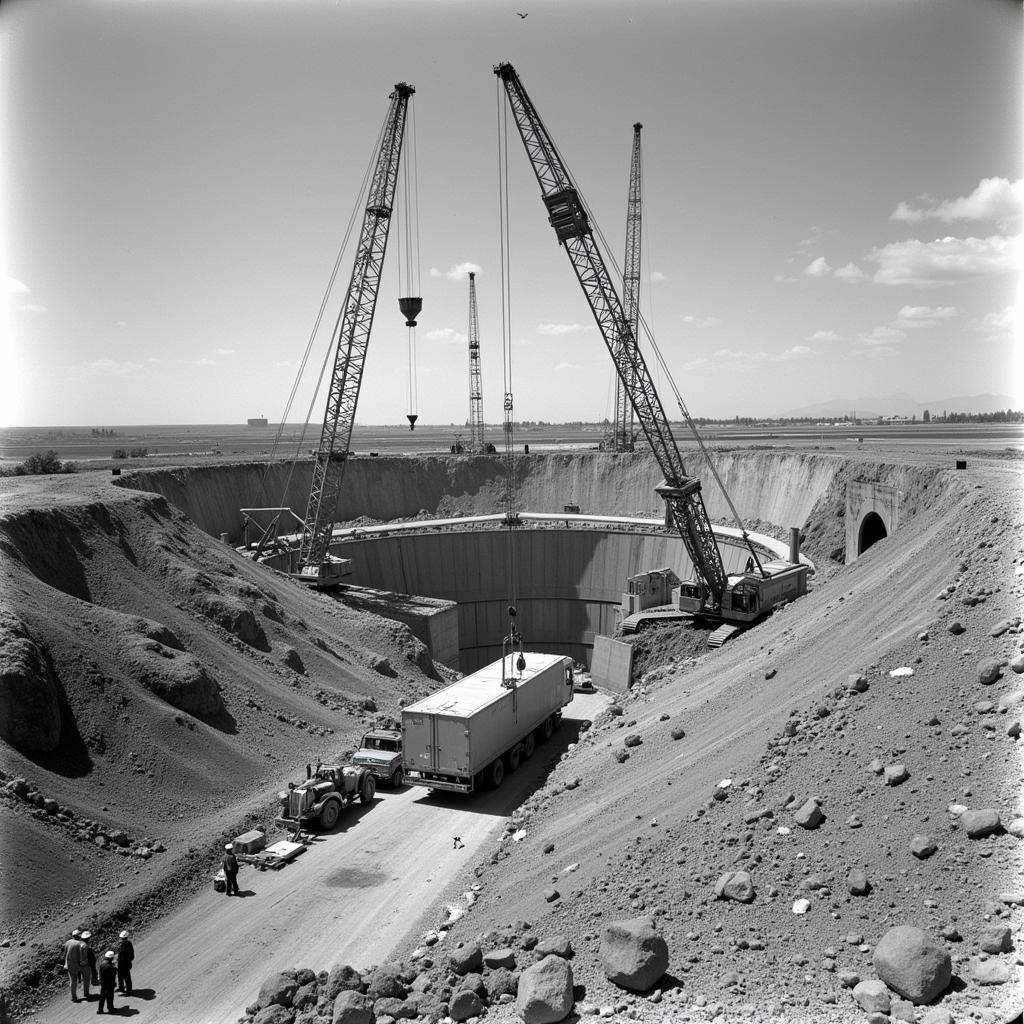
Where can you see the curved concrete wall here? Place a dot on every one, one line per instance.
(569, 582)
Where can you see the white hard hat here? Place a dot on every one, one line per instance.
(123, 935)
(86, 935)
(76, 934)
(109, 954)
(229, 846)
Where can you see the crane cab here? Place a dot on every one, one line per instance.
(750, 596)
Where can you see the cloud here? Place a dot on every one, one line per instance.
(818, 268)
(701, 322)
(943, 261)
(434, 272)
(823, 336)
(915, 317)
(559, 330)
(568, 366)
(15, 287)
(460, 271)
(994, 199)
(223, 351)
(851, 273)
(205, 362)
(881, 339)
(739, 359)
(32, 308)
(998, 326)
(785, 278)
(447, 336)
(657, 277)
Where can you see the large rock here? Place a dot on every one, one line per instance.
(465, 959)
(386, 981)
(545, 991)
(274, 1014)
(735, 885)
(872, 996)
(810, 815)
(912, 964)
(989, 670)
(352, 1008)
(343, 978)
(277, 990)
(633, 954)
(978, 824)
(29, 703)
(465, 1004)
(857, 882)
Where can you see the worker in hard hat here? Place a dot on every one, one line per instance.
(73, 964)
(108, 979)
(125, 957)
(230, 866)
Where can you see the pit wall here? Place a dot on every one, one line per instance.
(779, 488)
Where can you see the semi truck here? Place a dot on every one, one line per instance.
(466, 736)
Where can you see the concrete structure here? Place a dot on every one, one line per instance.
(872, 513)
(611, 665)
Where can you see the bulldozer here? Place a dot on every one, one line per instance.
(320, 799)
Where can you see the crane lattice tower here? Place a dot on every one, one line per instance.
(476, 397)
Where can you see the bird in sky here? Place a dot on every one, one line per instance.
(521, 15)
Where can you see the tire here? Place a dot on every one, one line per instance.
(369, 788)
(513, 758)
(529, 745)
(547, 728)
(496, 773)
(329, 815)
(397, 778)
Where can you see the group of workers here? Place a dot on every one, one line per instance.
(81, 964)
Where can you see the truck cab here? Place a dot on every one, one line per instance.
(380, 752)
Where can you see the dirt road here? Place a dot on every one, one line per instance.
(350, 898)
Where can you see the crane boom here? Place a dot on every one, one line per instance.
(622, 435)
(352, 334)
(569, 218)
(476, 399)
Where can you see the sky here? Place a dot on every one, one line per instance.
(832, 202)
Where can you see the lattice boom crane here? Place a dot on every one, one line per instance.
(741, 598)
(623, 429)
(476, 395)
(352, 334)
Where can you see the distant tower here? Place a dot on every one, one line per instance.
(622, 438)
(476, 397)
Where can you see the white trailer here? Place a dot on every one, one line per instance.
(470, 733)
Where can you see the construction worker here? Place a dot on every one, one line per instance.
(230, 866)
(88, 958)
(108, 979)
(125, 956)
(72, 963)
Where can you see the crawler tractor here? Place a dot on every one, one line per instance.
(320, 799)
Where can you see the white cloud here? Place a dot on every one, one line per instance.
(748, 360)
(461, 271)
(850, 273)
(205, 362)
(559, 330)
(223, 351)
(882, 338)
(15, 287)
(998, 326)
(446, 335)
(785, 279)
(923, 316)
(657, 277)
(995, 199)
(818, 268)
(823, 336)
(701, 322)
(434, 272)
(943, 261)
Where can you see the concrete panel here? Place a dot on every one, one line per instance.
(872, 512)
(612, 665)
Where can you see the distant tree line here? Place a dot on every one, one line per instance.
(1002, 416)
(102, 432)
(39, 464)
(125, 453)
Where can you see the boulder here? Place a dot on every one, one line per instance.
(978, 824)
(343, 978)
(557, 944)
(545, 991)
(989, 670)
(809, 816)
(465, 959)
(990, 972)
(352, 1007)
(500, 982)
(872, 996)
(633, 954)
(465, 1004)
(857, 882)
(922, 847)
(277, 990)
(500, 958)
(894, 774)
(996, 939)
(385, 982)
(735, 885)
(274, 1014)
(912, 964)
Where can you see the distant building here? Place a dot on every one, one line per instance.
(257, 421)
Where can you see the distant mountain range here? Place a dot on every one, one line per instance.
(901, 404)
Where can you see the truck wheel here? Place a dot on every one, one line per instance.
(496, 773)
(329, 815)
(369, 788)
(513, 758)
(547, 728)
(529, 745)
(397, 778)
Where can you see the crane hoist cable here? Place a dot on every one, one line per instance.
(409, 302)
(514, 637)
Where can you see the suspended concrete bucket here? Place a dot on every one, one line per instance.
(412, 417)
(410, 308)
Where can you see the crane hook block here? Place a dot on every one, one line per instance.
(410, 308)
(412, 417)
(521, 662)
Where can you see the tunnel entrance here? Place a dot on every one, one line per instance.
(872, 530)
